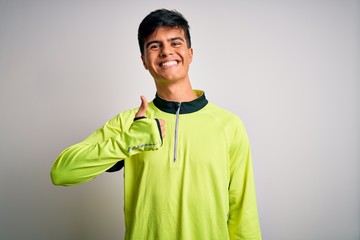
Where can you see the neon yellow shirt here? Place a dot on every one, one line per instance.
(196, 183)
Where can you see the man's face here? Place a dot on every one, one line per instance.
(166, 55)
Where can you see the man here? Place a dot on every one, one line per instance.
(194, 183)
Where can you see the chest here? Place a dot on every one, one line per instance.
(192, 141)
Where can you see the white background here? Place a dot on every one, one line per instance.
(289, 69)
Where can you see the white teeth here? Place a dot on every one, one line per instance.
(168, 64)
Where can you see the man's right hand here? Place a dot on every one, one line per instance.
(142, 113)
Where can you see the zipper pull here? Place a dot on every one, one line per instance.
(178, 108)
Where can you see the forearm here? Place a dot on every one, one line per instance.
(84, 161)
(243, 222)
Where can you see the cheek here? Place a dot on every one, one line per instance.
(146, 62)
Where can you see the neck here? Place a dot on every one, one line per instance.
(177, 92)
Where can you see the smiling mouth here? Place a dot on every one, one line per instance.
(169, 64)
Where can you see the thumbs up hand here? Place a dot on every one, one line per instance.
(142, 113)
(142, 110)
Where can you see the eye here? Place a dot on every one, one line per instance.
(176, 44)
(154, 46)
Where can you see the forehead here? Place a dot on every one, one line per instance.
(166, 33)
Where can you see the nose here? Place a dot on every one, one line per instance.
(166, 50)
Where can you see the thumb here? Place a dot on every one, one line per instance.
(142, 109)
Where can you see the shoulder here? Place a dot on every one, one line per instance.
(223, 114)
(230, 122)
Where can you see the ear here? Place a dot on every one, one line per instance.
(190, 52)
(144, 63)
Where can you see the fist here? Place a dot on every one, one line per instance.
(162, 126)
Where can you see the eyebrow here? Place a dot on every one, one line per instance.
(169, 40)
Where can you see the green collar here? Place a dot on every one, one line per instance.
(185, 107)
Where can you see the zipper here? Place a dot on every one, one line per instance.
(176, 131)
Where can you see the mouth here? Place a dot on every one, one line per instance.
(169, 64)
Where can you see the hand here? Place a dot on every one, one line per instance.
(142, 109)
(142, 113)
(162, 126)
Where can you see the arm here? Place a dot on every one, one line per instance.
(243, 220)
(104, 148)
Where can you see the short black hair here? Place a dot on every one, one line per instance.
(162, 18)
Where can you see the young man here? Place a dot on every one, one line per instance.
(194, 183)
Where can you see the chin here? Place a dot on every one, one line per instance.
(166, 78)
